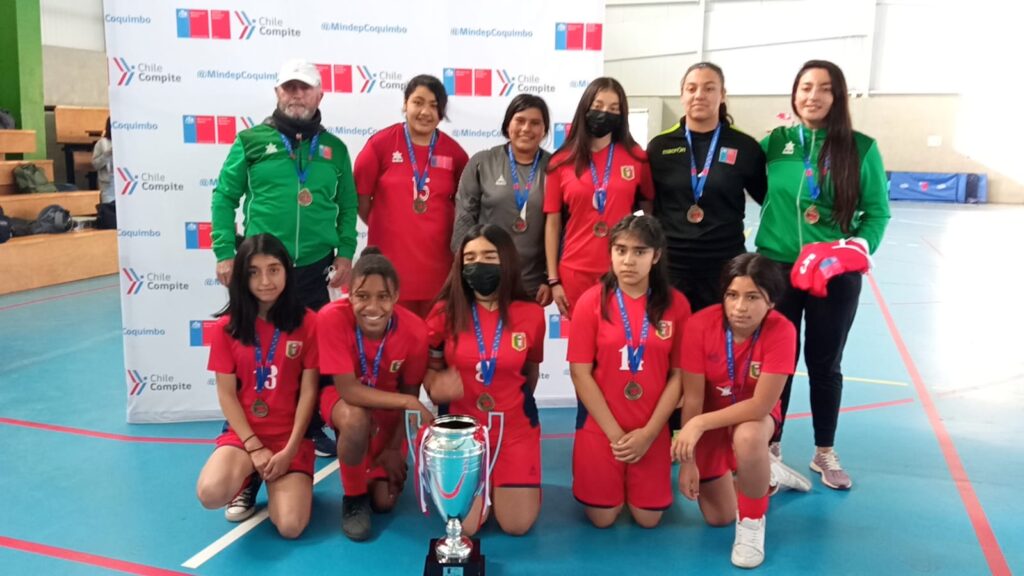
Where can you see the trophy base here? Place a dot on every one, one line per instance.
(473, 566)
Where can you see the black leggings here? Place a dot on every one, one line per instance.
(827, 324)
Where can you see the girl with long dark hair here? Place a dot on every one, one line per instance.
(624, 353)
(263, 350)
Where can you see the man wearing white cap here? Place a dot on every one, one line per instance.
(294, 180)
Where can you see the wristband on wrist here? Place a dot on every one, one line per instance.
(554, 282)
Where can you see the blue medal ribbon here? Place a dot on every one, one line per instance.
(263, 370)
(812, 182)
(370, 379)
(521, 195)
(635, 354)
(601, 187)
(303, 174)
(487, 365)
(698, 181)
(419, 179)
(731, 361)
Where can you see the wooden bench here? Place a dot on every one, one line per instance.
(7, 185)
(42, 260)
(17, 142)
(77, 129)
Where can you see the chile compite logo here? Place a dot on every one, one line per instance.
(216, 25)
(130, 181)
(127, 71)
(152, 281)
(339, 79)
(138, 383)
(135, 281)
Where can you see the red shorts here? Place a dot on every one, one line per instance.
(518, 464)
(601, 481)
(714, 454)
(304, 458)
(382, 430)
(575, 283)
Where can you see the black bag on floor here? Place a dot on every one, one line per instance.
(54, 219)
(106, 216)
(5, 228)
(20, 227)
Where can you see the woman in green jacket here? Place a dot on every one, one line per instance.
(826, 182)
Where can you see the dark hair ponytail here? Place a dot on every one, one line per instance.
(373, 263)
(723, 110)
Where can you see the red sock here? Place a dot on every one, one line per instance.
(753, 508)
(353, 479)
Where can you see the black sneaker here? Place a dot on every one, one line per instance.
(356, 517)
(244, 504)
(326, 447)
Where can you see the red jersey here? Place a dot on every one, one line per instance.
(704, 353)
(594, 340)
(404, 360)
(583, 251)
(522, 341)
(419, 245)
(296, 351)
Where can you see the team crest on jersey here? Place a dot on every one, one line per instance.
(519, 341)
(664, 330)
(396, 365)
(755, 370)
(788, 150)
(628, 173)
(396, 157)
(500, 181)
(293, 348)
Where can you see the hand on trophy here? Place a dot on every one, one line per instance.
(425, 415)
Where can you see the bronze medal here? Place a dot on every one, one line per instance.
(519, 225)
(485, 402)
(419, 205)
(601, 229)
(633, 390)
(811, 215)
(305, 197)
(695, 215)
(260, 408)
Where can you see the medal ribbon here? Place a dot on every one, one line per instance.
(263, 370)
(812, 182)
(303, 174)
(635, 354)
(522, 196)
(420, 180)
(601, 188)
(699, 180)
(370, 379)
(730, 359)
(487, 365)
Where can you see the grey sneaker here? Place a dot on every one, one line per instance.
(244, 504)
(832, 473)
(356, 517)
(785, 478)
(748, 547)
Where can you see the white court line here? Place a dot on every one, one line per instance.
(865, 380)
(245, 527)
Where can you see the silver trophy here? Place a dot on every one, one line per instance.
(453, 464)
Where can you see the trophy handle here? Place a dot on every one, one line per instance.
(491, 417)
(412, 430)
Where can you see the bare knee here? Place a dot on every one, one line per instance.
(211, 495)
(517, 526)
(648, 520)
(291, 526)
(603, 517)
(718, 519)
(353, 427)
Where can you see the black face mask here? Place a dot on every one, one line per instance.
(482, 277)
(600, 124)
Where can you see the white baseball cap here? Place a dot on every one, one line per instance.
(301, 70)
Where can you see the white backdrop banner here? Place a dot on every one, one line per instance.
(186, 77)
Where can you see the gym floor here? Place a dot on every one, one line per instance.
(934, 372)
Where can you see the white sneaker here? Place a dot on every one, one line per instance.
(775, 451)
(785, 478)
(244, 504)
(748, 548)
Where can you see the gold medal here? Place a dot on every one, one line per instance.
(633, 390)
(485, 402)
(260, 408)
(305, 197)
(601, 229)
(519, 225)
(811, 215)
(419, 205)
(695, 215)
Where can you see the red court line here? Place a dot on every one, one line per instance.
(55, 297)
(986, 537)
(84, 558)
(104, 435)
(860, 408)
